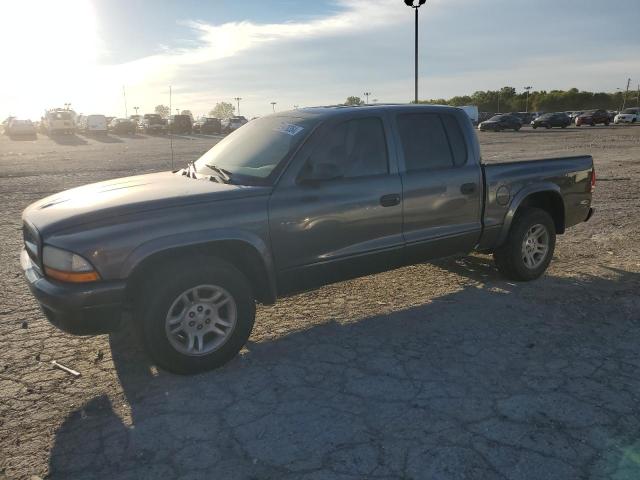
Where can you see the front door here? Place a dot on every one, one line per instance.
(338, 212)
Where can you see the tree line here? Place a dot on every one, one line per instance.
(221, 110)
(504, 100)
(507, 100)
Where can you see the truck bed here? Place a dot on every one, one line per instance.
(508, 182)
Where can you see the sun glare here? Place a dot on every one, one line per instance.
(49, 55)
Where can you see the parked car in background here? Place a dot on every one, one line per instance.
(5, 123)
(525, 117)
(575, 115)
(593, 117)
(154, 124)
(122, 126)
(549, 120)
(472, 113)
(207, 125)
(501, 122)
(137, 120)
(628, 115)
(180, 124)
(19, 128)
(233, 123)
(288, 203)
(94, 124)
(57, 121)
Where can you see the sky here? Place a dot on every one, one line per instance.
(89, 52)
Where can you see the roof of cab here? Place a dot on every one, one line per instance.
(336, 110)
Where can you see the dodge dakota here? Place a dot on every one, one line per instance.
(284, 204)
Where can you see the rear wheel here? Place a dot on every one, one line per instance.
(195, 316)
(529, 247)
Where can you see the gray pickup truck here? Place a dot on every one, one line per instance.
(287, 203)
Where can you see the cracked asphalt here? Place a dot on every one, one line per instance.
(435, 371)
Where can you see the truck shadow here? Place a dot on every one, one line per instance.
(103, 138)
(469, 384)
(68, 140)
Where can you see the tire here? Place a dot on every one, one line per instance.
(564, 126)
(547, 127)
(517, 129)
(535, 127)
(164, 294)
(510, 257)
(606, 124)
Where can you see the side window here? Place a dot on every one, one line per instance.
(358, 147)
(456, 139)
(424, 141)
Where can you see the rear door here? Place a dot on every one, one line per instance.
(442, 185)
(327, 230)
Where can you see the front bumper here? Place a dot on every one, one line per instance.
(80, 309)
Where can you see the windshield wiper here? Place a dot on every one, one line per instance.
(222, 173)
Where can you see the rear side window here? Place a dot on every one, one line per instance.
(357, 146)
(425, 143)
(456, 139)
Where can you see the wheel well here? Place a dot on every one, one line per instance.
(549, 201)
(238, 253)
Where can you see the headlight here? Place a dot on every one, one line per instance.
(67, 266)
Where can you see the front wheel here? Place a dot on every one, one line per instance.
(195, 316)
(529, 247)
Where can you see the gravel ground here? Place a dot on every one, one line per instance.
(440, 370)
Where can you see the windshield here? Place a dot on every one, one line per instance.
(495, 118)
(631, 110)
(256, 149)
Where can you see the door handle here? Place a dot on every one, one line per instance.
(468, 188)
(390, 200)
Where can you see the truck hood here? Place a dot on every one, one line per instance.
(98, 202)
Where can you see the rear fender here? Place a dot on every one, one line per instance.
(517, 200)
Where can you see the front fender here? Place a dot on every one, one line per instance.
(196, 238)
(517, 200)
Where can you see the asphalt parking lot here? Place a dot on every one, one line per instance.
(435, 371)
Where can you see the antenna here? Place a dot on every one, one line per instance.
(169, 130)
(124, 94)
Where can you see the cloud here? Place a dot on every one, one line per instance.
(357, 45)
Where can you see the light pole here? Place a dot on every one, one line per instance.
(136, 109)
(237, 99)
(273, 105)
(619, 92)
(366, 94)
(526, 107)
(415, 4)
(295, 107)
(624, 102)
(177, 111)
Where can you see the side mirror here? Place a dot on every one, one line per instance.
(321, 172)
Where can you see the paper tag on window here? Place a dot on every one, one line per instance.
(289, 128)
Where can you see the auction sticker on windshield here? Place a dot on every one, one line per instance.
(289, 128)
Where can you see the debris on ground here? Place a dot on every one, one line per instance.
(66, 369)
